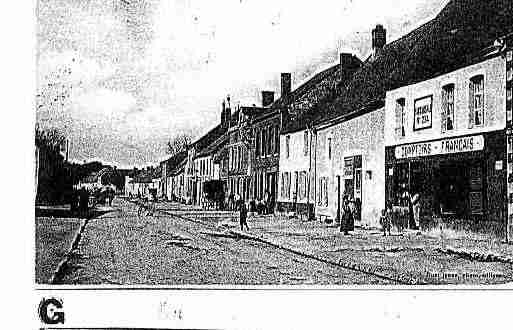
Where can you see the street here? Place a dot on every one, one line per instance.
(181, 245)
(121, 248)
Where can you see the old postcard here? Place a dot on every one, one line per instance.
(249, 144)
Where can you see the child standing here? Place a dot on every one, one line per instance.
(386, 219)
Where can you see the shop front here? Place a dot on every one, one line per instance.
(460, 181)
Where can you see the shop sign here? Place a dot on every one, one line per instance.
(423, 113)
(440, 147)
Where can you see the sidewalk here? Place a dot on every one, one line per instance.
(409, 257)
(56, 228)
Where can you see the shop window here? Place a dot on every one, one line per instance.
(476, 101)
(399, 118)
(447, 114)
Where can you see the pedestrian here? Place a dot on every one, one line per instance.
(266, 202)
(243, 213)
(386, 218)
(74, 201)
(83, 201)
(415, 201)
(346, 216)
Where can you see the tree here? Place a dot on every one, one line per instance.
(178, 143)
(51, 138)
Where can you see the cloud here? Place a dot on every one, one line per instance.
(144, 70)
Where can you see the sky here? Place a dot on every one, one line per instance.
(122, 77)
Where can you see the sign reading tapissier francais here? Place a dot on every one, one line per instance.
(440, 147)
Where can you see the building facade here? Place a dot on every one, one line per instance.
(266, 127)
(350, 161)
(238, 149)
(445, 140)
(296, 192)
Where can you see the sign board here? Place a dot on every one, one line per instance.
(423, 113)
(440, 147)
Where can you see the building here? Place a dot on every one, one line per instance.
(297, 141)
(167, 168)
(239, 152)
(265, 147)
(357, 138)
(97, 180)
(191, 175)
(446, 140)
(208, 165)
(176, 182)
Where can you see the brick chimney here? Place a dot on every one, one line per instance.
(267, 98)
(379, 39)
(286, 84)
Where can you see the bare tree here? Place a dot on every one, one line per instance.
(178, 143)
(51, 138)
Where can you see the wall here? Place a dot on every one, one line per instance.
(297, 161)
(363, 135)
(493, 69)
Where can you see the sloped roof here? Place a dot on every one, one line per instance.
(320, 89)
(94, 176)
(178, 168)
(444, 44)
(214, 146)
(209, 137)
(174, 161)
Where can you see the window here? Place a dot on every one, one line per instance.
(476, 101)
(271, 140)
(277, 139)
(264, 142)
(447, 108)
(399, 118)
(305, 143)
(257, 141)
(302, 185)
(287, 146)
(322, 199)
(328, 146)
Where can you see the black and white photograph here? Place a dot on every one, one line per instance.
(245, 143)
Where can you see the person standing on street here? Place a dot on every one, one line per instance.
(346, 216)
(243, 213)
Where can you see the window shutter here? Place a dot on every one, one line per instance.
(443, 114)
(471, 104)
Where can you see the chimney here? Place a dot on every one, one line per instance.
(228, 111)
(346, 60)
(267, 98)
(379, 39)
(223, 114)
(285, 84)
